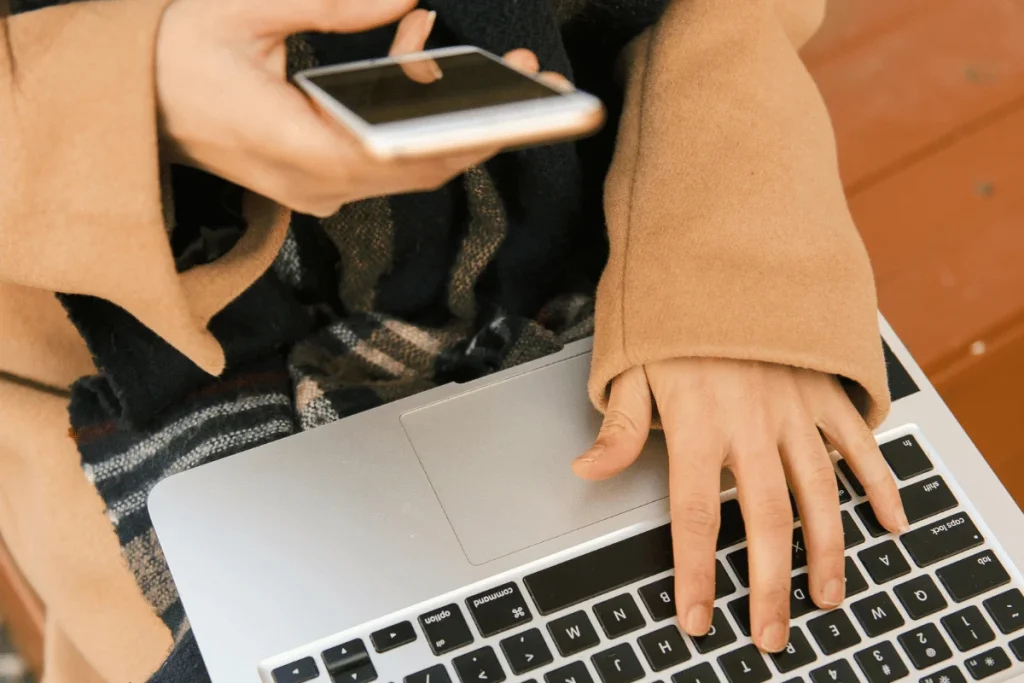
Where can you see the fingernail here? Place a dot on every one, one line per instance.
(698, 620)
(431, 18)
(436, 71)
(774, 637)
(901, 520)
(835, 591)
(590, 456)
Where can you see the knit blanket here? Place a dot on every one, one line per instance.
(388, 297)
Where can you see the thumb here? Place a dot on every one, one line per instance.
(280, 19)
(627, 422)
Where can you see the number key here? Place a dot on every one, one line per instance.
(837, 672)
(881, 663)
(925, 646)
(968, 629)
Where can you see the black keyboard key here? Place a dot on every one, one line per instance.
(870, 520)
(350, 655)
(950, 674)
(798, 550)
(884, 562)
(723, 584)
(702, 673)
(797, 653)
(435, 674)
(906, 457)
(844, 493)
(838, 671)
(925, 646)
(618, 664)
(926, 498)
(731, 530)
(740, 566)
(619, 615)
(526, 651)
(446, 629)
(297, 672)
(602, 570)
(360, 674)
(499, 609)
(1007, 610)
(720, 635)
(942, 539)
(740, 608)
(659, 598)
(573, 633)
(664, 648)
(393, 636)
(479, 666)
(877, 614)
(847, 471)
(851, 532)
(1017, 646)
(570, 673)
(855, 581)
(881, 663)
(920, 597)
(988, 663)
(972, 576)
(800, 602)
(798, 679)
(745, 665)
(833, 632)
(968, 629)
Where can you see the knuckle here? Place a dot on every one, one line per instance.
(696, 518)
(776, 513)
(618, 422)
(822, 479)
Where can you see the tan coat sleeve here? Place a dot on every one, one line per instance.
(730, 234)
(81, 208)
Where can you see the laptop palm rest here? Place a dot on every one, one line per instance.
(498, 459)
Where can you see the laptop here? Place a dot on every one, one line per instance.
(444, 539)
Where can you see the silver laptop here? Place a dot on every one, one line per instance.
(444, 539)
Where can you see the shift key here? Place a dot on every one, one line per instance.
(926, 498)
(942, 539)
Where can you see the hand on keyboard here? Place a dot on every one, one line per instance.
(762, 422)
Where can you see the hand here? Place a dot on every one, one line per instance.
(761, 421)
(226, 106)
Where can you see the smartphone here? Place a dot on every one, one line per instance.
(446, 101)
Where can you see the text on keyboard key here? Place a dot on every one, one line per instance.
(881, 663)
(925, 646)
(838, 671)
(618, 664)
(573, 633)
(570, 673)
(526, 651)
(745, 665)
(800, 602)
(988, 663)
(393, 636)
(926, 498)
(446, 629)
(499, 609)
(664, 648)
(906, 457)
(619, 615)
(797, 653)
(972, 576)
(798, 550)
(950, 674)
(942, 539)
(833, 632)
(479, 666)
(297, 672)
(877, 614)
(1007, 610)
(884, 562)
(435, 674)
(920, 597)
(702, 673)
(844, 493)
(659, 598)
(968, 629)
(720, 634)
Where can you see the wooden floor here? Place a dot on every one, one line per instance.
(927, 99)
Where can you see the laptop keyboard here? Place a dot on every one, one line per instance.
(939, 604)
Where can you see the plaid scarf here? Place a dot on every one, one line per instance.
(388, 297)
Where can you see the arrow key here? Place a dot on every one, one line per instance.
(526, 651)
(479, 666)
(393, 636)
(360, 674)
(297, 672)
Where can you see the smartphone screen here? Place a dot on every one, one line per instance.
(429, 87)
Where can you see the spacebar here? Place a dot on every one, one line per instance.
(601, 570)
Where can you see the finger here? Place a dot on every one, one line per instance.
(810, 474)
(522, 59)
(411, 36)
(843, 426)
(281, 19)
(764, 499)
(627, 422)
(557, 81)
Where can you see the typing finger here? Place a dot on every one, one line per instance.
(411, 36)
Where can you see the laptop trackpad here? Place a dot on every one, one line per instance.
(499, 459)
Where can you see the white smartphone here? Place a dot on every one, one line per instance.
(448, 100)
